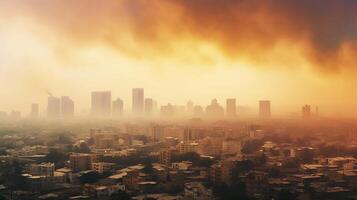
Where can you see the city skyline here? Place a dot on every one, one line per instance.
(178, 99)
(290, 62)
(102, 105)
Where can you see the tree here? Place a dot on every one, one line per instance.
(262, 159)
(244, 165)
(274, 172)
(89, 177)
(3, 151)
(307, 155)
(205, 162)
(189, 156)
(56, 157)
(64, 139)
(148, 167)
(83, 148)
(236, 191)
(285, 195)
(13, 176)
(120, 195)
(252, 146)
(295, 163)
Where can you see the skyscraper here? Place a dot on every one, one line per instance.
(138, 101)
(187, 135)
(53, 107)
(35, 111)
(149, 104)
(231, 107)
(306, 111)
(101, 103)
(118, 107)
(167, 110)
(67, 106)
(264, 109)
(157, 133)
(214, 110)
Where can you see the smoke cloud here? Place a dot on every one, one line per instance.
(324, 33)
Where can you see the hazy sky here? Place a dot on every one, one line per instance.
(290, 52)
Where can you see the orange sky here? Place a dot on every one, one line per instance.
(291, 52)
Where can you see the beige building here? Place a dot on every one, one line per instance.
(102, 167)
(42, 169)
(104, 139)
(165, 157)
(185, 147)
(80, 162)
(210, 146)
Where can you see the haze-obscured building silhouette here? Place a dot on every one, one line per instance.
(149, 104)
(53, 107)
(231, 107)
(158, 133)
(67, 106)
(167, 111)
(214, 110)
(101, 103)
(138, 101)
(264, 109)
(118, 107)
(306, 111)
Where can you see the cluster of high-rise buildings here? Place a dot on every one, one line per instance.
(56, 107)
(307, 112)
(103, 105)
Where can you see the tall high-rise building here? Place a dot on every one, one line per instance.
(149, 106)
(188, 135)
(165, 156)
(101, 103)
(53, 107)
(138, 101)
(35, 110)
(167, 110)
(80, 162)
(264, 109)
(306, 111)
(214, 110)
(231, 107)
(118, 107)
(67, 106)
(158, 133)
